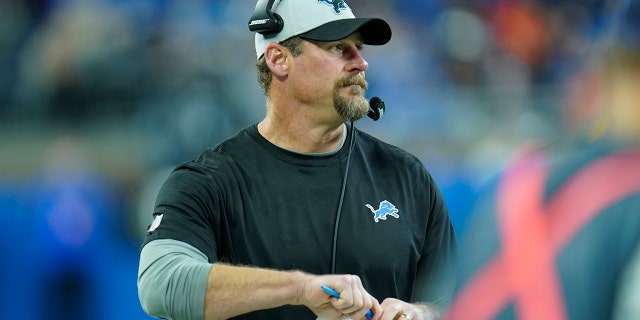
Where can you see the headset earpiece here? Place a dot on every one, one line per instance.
(265, 21)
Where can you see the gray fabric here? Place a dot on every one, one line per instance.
(172, 280)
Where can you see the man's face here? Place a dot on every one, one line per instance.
(334, 73)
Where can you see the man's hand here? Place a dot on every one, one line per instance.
(354, 301)
(394, 309)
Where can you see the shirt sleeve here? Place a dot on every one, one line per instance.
(172, 280)
(435, 282)
(190, 203)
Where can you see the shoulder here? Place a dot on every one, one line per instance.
(386, 149)
(389, 154)
(223, 157)
(213, 169)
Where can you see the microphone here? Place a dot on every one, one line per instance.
(376, 108)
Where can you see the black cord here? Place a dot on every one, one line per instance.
(342, 192)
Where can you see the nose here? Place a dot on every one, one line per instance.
(357, 63)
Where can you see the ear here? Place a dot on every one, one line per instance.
(277, 58)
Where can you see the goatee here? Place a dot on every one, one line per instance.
(356, 106)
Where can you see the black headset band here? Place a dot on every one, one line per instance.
(264, 20)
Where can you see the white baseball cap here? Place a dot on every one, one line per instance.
(321, 20)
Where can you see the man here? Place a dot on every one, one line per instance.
(254, 227)
(558, 237)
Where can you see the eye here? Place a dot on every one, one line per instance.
(338, 47)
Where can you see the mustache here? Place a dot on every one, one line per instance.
(354, 80)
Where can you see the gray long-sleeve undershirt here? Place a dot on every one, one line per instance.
(172, 280)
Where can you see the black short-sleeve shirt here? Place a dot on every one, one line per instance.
(249, 202)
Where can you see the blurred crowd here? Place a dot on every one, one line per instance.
(99, 99)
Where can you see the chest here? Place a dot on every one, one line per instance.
(289, 219)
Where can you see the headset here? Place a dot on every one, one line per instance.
(264, 21)
(269, 23)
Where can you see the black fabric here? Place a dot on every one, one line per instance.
(374, 31)
(249, 202)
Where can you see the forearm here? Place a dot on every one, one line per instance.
(235, 290)
(172, 280)
(176, 282)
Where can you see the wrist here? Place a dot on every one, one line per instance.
(299, 285)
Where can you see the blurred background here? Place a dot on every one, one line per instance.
(100, 99)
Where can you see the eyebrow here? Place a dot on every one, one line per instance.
(359, 42)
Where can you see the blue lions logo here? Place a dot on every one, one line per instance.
(385, 209)
(337, 5)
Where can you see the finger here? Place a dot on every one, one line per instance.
(351, 299)
(358, 297)
(404, 316)
(367, 310)
(376, 309)
(370, 303)
(392, 309)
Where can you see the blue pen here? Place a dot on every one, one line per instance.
(335, 294)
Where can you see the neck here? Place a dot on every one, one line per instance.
(301, 136)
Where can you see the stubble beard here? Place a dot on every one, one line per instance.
(355, 106)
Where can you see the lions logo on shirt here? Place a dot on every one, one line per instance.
(385, 209)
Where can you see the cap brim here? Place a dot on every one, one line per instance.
(374, 31)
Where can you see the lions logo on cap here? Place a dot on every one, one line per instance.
(337, 5)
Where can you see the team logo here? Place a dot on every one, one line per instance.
(385, 209)
(337, 5)
(155, 224)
